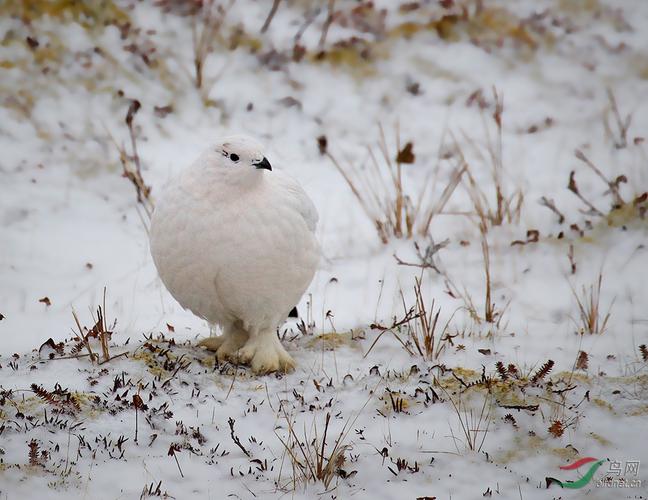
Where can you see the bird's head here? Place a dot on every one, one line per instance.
(238, 159)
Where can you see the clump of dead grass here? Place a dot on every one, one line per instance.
(502, 205)
(591, 318)
(474, 424)
(418, 330)
(312, 458)
(379, 188)
(428, 337)
(100, 332)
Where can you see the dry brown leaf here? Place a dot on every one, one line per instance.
(581, 361)
(406, 155)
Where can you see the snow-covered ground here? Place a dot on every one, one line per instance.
(332, 83)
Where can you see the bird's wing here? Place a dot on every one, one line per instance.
(301, 201)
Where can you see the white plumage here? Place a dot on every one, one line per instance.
(233, 241)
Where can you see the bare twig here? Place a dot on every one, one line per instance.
(410, 315)
(620, 141)
(327, 24)
(131, 163)
(273, 11)
(573, 187)
(613, 185)
(426, 259)
(546, 202)
(308, 20)
(235, 438)
(174, 449)
(203, 30)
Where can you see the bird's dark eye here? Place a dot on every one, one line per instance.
(234, 157)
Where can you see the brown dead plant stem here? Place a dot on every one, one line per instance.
(490, 313)
(271, 14)
(131, 162)
(618, 127)
(206, 24)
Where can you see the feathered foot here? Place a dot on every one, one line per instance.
(265, 354)
(226, 345)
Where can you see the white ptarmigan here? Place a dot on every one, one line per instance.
(233, 241)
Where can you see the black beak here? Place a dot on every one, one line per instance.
(264, 164)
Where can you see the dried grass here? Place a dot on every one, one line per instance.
(206, 24)
(492, 313)
(474, 425)
(429, 340)
(381, 193)
(591, 319)
(99, 331)
(418, 331)
(617, 127)
(492, 209)
(310, 460)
